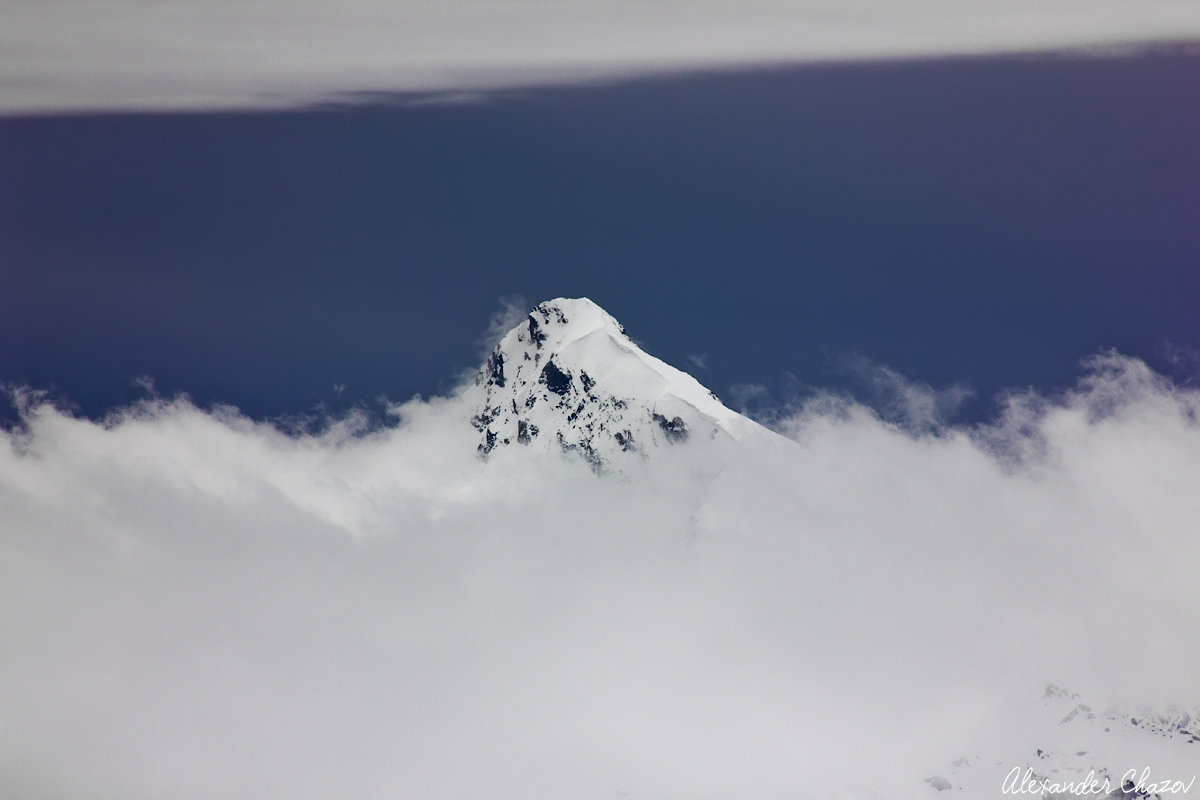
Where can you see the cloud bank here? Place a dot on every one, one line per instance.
(194, 604)
(63, 55)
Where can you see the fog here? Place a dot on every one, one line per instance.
(194, 604)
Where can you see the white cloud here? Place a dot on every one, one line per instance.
(195, 605)
(60, 55)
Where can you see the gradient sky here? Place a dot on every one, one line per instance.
(986, 221)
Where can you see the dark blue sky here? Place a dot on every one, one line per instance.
(983, 221)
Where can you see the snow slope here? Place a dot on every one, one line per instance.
(569, 378)
(1065, 746)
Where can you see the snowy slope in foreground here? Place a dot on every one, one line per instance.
(1066, 747)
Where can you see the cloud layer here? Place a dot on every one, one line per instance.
(59, 55)
(195, 605)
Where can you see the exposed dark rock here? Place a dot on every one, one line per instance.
(555, 379)
(939, 783)
(587, 381)
(536, 334)
(526, 431)
(1080, 710)
(495, 368)
(488, 443)
(484, 418)
(586, 450)
(625, 439)
(549, 311)
(675, 429)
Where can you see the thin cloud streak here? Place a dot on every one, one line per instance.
(60, 55)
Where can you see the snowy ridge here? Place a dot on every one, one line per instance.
(1071, 748)
(569, 378)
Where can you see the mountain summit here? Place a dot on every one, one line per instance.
(568, 377)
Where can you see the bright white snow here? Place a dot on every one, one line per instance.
(567, 378)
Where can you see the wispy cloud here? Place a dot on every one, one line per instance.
(513, 309)
(60, 55)
(917, 406)
(194, 604)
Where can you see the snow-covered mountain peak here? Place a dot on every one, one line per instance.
(568, 377)
(552, 325)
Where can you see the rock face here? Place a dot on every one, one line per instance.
(568, 378)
